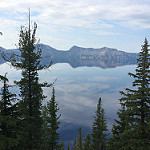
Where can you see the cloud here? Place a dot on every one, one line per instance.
(82, 13)
(74, 19)
(101, 79)
(101, 32)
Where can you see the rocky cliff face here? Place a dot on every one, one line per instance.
(78, 56)
(103, 57)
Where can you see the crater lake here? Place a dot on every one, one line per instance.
(77, 93)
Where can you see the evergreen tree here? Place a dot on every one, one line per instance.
(99, 129)
(61, 145)
(31, 92)
(137, 102)
(2, 78)
(8, 119)
(75, 145)
(87, 143)
(78, 145)
(51, 124)
(115, 142)
(45, 133)
(135, 117)
(79, 140)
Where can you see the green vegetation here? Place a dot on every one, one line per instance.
(9, 137)
(97, 140)
(27, 125)
(87, 145)
(133, 129)
(51, 124)
(99, 129)
(31, 93)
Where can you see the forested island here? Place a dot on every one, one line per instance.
(25, 124)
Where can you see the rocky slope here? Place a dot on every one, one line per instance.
(78, 56)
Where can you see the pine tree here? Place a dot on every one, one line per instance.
(79, 140)
(31, 92)
(115, 142)
(136, 132)
(51, 124)
(8, 119)
(99, 128)
(78, 145)
(75, 145)
(87, 143)
(2, 78)
(45, 133)
(137, 102)
(61, 145)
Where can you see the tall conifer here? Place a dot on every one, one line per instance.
(78, 143)
(30, 89)
(87, 143)
(137, 102)
(8, 119)
(79, 140)
(99, 128)
(116, 141)
(136, 132)
(75, 145)
(51, 124)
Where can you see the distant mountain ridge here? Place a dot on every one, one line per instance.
(78, 56)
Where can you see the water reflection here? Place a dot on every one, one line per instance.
(78, 91)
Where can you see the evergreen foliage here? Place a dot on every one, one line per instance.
(79, 140)
(2, 78)
(9, 137)
(45, 133)
(61, 145)
(51, 124)
(75, 145)
(26, 126)
(87, 143)
(99, 129)
(137, 102)
(78, 144)
(30, 90)
(136, 132)
(118, 128)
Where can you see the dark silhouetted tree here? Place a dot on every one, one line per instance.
(75, 145)
(137, 103)
(116, 141)
(79, 140)
(78, 145)
(9, 137)
(99, 129)
(136, 132)
(31, 92)
(87, 143)
(51, 124)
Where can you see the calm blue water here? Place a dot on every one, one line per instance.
(78, 91)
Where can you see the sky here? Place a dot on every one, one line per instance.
(120, 24)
